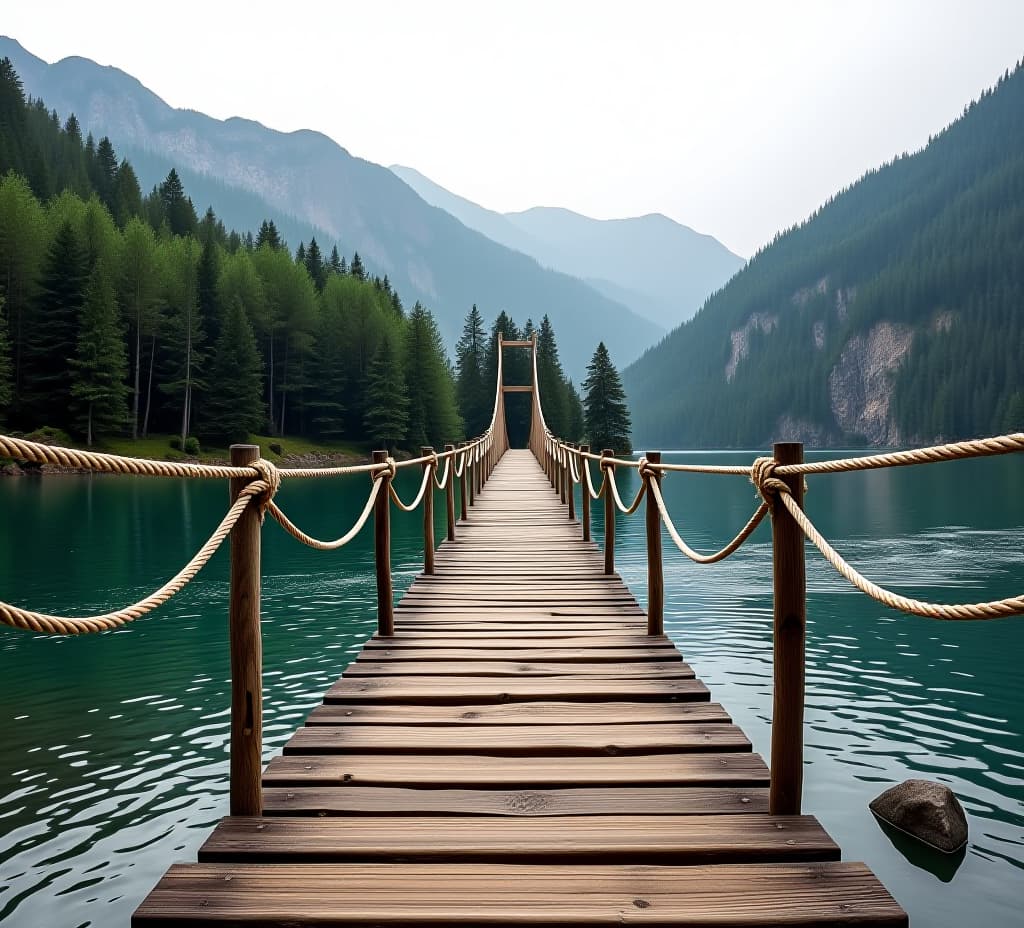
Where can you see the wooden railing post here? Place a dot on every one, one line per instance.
(428, 512)
(585, 494)
(246, 646)
(563, 471)
(551, 465)
(463, 481)
(382, 551)
(471, 467)
(609, 515)
(790, 621)
(449, 491)
(655, 575)
(571, 490)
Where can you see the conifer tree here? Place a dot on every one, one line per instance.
(100, 365)
(105, 172)
(357, 270)
(335, 264)
(127, 197)
(300, 254)
(387, 402)
(474, 394)
(315, 265)
(177, 208)
(605, 410)
(233, 408)
(553, 393)
(52, 330)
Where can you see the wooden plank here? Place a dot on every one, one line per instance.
(518, 740)
(441, 771)
(520, 713)
(724, 896)
(675, 839)
(462, 690)
(395, 800)
(401, 653)
(363, 667)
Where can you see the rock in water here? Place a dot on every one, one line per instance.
(925, 810)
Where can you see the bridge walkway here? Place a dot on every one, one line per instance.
(519, 752)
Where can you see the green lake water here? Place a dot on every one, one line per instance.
(113, 757)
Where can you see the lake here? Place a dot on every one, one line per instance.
(113, 761)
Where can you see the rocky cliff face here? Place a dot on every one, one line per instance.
(860, 385)
(860, 382)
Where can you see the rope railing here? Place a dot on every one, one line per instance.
(780, 482)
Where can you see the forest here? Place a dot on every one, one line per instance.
(126, 313)
(933, 241)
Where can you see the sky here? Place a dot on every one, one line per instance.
(735, 118)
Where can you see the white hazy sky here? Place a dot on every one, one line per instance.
(736, 118)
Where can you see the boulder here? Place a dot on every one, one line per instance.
(925, 810)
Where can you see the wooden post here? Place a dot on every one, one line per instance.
(655, 575)
(790, 614)
(472, 475)
(428, 512)
(571, 491)
(449, 491)
(246, 649)
(585, 494)
(609, 517)
(382, 551)
(563, 471)
(551, 465)
(462, 484)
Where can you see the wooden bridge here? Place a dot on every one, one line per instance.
(519, 751)
(519, 744)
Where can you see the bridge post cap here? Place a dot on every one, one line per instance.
(244, 448)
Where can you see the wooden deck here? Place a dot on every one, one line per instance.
(520, 752)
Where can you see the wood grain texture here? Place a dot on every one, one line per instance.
(520, 751)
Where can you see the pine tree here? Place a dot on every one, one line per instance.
(605, 410)
(127, 195)
(233, 408)
(433, 418)
(177, 208)
(315, 265)
(387, 402)
(105, 173)
(300, 253)
(52, 331)
(335, 264)
(268, 235)
(473, 392)
(552, 380)
(357, 270)
(100, 365)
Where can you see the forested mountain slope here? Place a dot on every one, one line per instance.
(305, 176)
(894, 314)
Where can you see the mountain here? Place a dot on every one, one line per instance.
(893, 315)
(305, 181)
(658, 268)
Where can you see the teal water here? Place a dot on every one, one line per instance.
(113, 760)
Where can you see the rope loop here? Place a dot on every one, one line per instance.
(271, 476)
(391, 469)
(645, 470)
(762, 476)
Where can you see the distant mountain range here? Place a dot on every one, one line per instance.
(660, 269)
(893, 315)
(310, 185)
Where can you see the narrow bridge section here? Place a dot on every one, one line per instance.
(519, 752)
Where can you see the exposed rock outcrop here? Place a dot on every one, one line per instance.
(740, 339)
(860, 385)
(926, 810)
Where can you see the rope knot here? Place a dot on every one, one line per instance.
(762, 476)
(271, 476)
(433, 460)
(607, 464)
(644, 469)
(391, 471)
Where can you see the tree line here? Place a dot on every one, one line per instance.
(124, 313)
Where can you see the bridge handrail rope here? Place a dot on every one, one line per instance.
(983, 447)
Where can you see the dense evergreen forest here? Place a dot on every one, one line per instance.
(129, 314)
(931, 243)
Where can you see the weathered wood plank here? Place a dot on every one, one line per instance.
(676, 839)
(724, 896)
(607, 800)
(442, 771)
(518, 740)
